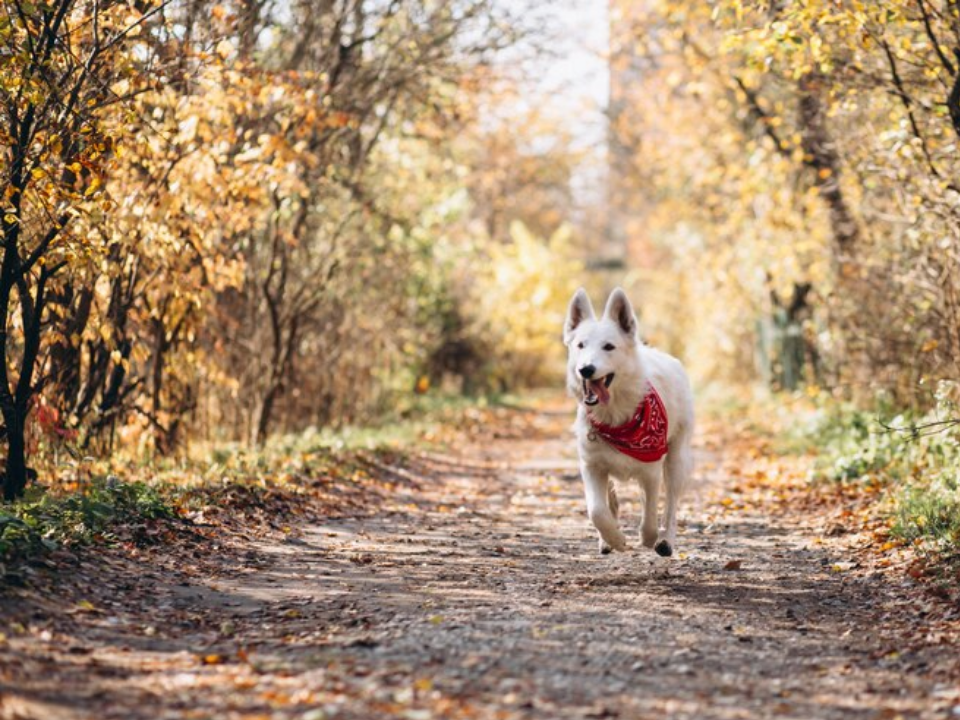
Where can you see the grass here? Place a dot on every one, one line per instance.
(43, 521)
(931, 512)
(420, 418)
(104, 501)
(910, 477)
(919, 474)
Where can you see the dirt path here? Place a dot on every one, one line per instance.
(477, 592)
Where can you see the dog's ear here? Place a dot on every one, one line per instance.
(620, 311)
(580, 309)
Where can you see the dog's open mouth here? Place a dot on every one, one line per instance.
(596, 390)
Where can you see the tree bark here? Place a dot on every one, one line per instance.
(820, 154)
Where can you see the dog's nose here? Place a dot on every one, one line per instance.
(587, 371)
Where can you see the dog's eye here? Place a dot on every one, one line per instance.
(579, 346)
(608, 347)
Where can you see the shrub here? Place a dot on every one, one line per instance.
(44, 522)
(917, 457)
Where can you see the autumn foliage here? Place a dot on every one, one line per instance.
(228, 219)
(800, 160)
(224, 220)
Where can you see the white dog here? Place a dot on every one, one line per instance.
(634, 418)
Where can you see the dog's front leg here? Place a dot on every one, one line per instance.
(596, 487)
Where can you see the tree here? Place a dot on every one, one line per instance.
(831, 161)
(61, 61)
(353, 76)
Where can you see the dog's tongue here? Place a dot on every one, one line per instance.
(598, 388)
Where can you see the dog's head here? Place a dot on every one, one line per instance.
(603, 354)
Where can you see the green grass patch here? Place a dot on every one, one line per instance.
(932, 513)
(114, 499)
(43, 521)
(916, 465)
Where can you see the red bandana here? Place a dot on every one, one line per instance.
(644, 436)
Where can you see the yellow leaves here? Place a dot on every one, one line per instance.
(930, 346)
(225, 49)
(252, 154)
(816, 47)
(423, 685)
(522, 294)
(188, 129)
(132, 23)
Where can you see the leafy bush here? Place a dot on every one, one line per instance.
(930, 512)
(44, 522)
(916, 457)
(522, 297)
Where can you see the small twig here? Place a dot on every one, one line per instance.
(917, 431)
(953, 98)
(928, 26)
(762, 116)
(908, 106)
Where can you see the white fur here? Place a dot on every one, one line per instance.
(633, 364)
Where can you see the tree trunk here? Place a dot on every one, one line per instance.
(70, 308)
(265, 414)
(160, 436)
(15, 478)
(820, 154)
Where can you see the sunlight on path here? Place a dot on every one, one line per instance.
(479, 594)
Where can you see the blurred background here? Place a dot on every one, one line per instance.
(226, 220)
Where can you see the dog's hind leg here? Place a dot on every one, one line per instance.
(614, 503)
(650, 484)
(677, 471)
(596, 488)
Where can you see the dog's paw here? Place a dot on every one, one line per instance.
(618, 543)
(663, 549)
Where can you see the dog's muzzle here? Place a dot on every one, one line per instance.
(596, 390)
